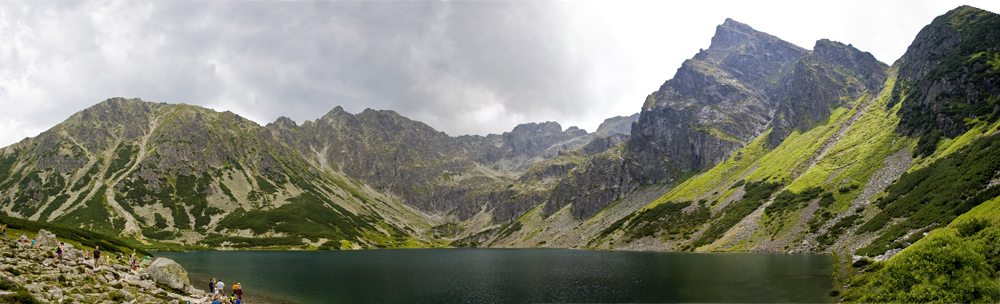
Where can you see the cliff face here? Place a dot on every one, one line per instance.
(948, 76)
(833, 75)
(744, 84)
(716, 103)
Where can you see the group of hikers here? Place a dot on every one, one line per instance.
(96, 254)
(218, 288)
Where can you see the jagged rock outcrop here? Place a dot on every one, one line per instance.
(46, 239)
(949, 74)
(589, 188)
(616, 125)
(716, 103)
(833, 75)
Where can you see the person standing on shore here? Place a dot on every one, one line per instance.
(211, 286)
(220, 288)
(97, 256)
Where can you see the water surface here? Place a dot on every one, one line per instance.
(512, 276)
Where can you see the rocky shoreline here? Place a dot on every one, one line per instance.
(37, 270)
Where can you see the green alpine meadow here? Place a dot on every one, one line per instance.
(755, 145)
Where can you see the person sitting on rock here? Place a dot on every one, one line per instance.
(24, 238)
(59, 250)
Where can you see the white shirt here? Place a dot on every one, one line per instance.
(220, 285)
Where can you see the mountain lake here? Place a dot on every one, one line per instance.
(511, 276)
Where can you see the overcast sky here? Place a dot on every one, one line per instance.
(461, 67)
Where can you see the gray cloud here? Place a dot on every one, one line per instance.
(461, 67)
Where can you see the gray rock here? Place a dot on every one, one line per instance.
(167, 272)
(74, 254)
(56, 293)
(128, 295)
(46, 239)
(35, 287)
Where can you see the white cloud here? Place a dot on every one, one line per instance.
(461, 67)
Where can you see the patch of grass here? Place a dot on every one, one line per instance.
(94, 214)
(309, 216)
(121, 159)
(20, 296)
(720, 176)
(951, 265)
(788, 201)
(667, 219)
(936, 194)
(509, 229)
(85, 180)
(837, 229)
(6, 164)
(756, 194)
(265, 186)
(216, 240)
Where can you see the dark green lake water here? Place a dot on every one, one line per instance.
(512, 276)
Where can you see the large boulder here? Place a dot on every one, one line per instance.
(167, 272)
(73, 254)
(46, 239)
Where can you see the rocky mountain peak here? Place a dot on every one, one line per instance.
(848, 57)
(949, 75)
(284, 123)
(732, 33)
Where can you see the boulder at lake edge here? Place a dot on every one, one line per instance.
(167, 272)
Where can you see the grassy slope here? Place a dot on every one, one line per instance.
(958, 263)
(851, 161)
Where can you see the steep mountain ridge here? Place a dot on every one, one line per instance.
(183, 172)
(187, 174)
(842, 182)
